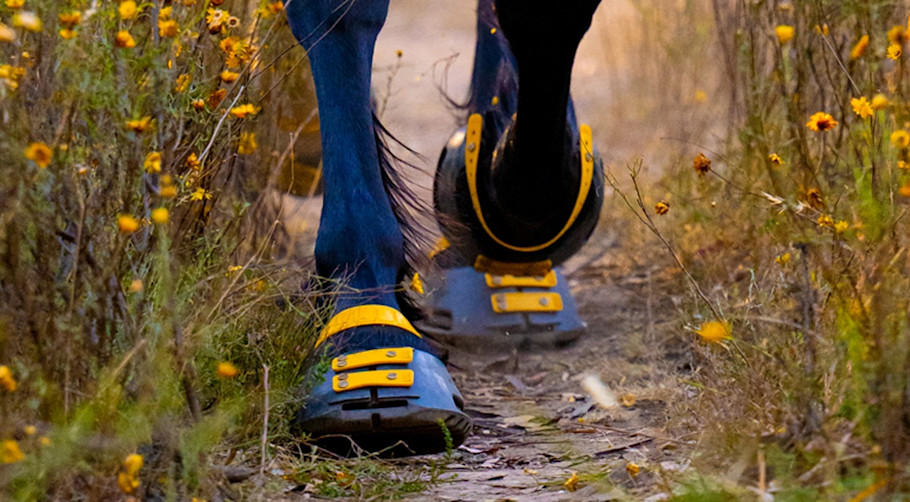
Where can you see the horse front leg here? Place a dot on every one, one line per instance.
(384, 385)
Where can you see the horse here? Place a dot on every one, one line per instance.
(518, 190)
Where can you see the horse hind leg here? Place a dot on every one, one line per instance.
(384, 385)
(519, 189)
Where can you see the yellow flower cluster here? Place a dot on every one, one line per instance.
(128, 478)
(10, 453)
(10, 76)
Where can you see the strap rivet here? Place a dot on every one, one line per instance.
(544, 302)
(588, 157)
(391, 353)
(471, 146)
(341, 363)
(392, 376)
(342, 384)
(343, 376)
(497, 280)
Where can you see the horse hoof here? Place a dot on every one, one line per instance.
(479, 311)
(393, 401)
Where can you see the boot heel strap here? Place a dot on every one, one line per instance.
(365, 315)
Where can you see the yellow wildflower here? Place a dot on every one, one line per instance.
(30, 430)
(571, 484)
(895, 51)
(128, 478)
(880, 102)
(247, 145)
(783, 259)
(784, 33)
(822, 29)
(244, 111)
(233, 22)
(139, 125)
(900, 138)
(67, 34)
(7, 34)
(902, 164)
(228, 76)
(10, 75)
(10, 452)
(825, 220)
(701, 96)
(165, 12)
(28, 20)
(152, 164)
(821, 121)
(124, 40)
(862, 107)
(200, 194)
(135, 286)
(275, 7)
(127, 224)
(904, 191)
(662, 207)
(841, 226)
(70, 19)
(40, 154)
(897, 35)
(633, 469)
(199, 104)
(44, 441)
(127, 10)
(15, 4)
(775, 159)
(192, 161)
(168, 28)
(215, 19)
(859, 48)
(160, 215)
(183, 81)
(7, 381)
(701, 164)
(714, 331)
(226, 370)
(168, 191)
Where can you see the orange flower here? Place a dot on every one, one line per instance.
(701, 164)
(714, 331)
(40, 154)
(859, 48)
(124, 40)
(821, 121)
(127, 224)
(662, 207)
(226, 370)
(244, 111)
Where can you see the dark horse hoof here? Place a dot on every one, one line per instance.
(393, 401)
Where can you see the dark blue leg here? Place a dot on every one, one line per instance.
(360, 240)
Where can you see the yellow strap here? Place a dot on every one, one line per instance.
(379, 378)
(531, 268)
(504, 303)
(521, 281)
(375, 357)
(472, 154)
(365, 315)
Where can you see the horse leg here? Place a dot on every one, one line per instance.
(519, 189)
(527, 183)
(384, 384)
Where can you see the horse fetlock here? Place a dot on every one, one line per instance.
(523, 221)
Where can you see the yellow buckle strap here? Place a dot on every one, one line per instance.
(365, 315)
(379, 378)
(521, 281)
(397, 355)
(505, 303)
(472, 154)
(531, 269)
